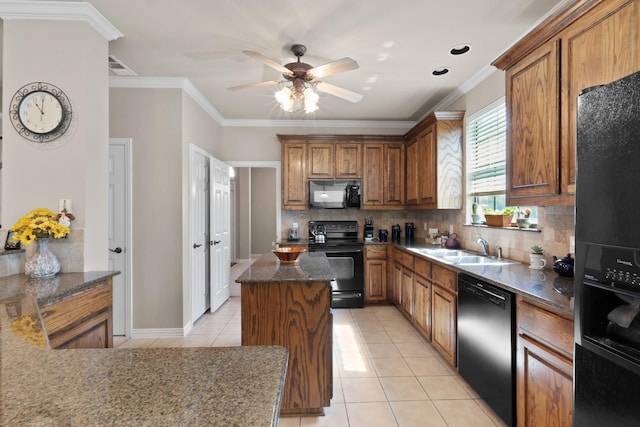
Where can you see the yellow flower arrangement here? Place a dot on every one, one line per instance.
(40, 223)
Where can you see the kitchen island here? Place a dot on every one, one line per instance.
(132, 387)
(290, 305)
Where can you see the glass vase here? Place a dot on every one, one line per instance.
(43, 263)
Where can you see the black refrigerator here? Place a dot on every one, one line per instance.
(607, 272)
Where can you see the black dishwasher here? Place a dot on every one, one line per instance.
(486, 344)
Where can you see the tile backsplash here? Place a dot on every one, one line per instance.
(69, 251)
(555, 227)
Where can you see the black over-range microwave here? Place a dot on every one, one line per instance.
(334, 194)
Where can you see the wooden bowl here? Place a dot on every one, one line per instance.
(289, 255)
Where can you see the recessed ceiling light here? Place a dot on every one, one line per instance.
(440, 71)
(460, 49)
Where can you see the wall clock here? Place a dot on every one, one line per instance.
(40, 112)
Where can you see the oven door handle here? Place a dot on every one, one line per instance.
(342, 251)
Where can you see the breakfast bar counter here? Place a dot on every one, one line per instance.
(130, 387)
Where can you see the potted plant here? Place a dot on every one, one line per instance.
(475, 212)
(500, 218)
(536, 259)
(523, 220)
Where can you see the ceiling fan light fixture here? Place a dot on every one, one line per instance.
(310, 100)
(285, 99)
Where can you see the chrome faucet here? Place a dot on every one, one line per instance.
(485, 246)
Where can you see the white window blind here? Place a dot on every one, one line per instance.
(486, 152)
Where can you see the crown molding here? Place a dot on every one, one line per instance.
(142, 82)
(59, 11)
(371, 124)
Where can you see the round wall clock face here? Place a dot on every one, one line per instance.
(40, 112)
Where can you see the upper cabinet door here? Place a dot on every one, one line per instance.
(321, 160)
(599, 48)
(532, 126)
(348, 163)
(294, 175)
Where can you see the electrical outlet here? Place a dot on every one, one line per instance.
(572, 244)
(425, 226)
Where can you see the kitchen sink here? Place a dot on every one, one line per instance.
(441, 252)
(462, 257)
(476, 260)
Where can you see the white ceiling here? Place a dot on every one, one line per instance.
(397, 44)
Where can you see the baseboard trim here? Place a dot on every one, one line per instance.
(159, 332)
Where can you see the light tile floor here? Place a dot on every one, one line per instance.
(385, 373)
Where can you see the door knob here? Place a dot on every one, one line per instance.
(215, 242)
(196, 246)
(117, 250)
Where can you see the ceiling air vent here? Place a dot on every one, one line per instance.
(118, 68)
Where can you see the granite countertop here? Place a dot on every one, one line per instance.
(541, 286)
(136, 387)
(311, 267)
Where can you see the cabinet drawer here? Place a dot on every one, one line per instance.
(376, 251)
(404, 259)
(422, 267)
(445, 277)
(69, 312)
(545, 327)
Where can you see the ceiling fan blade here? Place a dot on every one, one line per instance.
(335, 67)
(270, 62)
(266, 83)
(338, 91)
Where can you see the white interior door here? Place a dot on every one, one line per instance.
(220, 234)
(200, 204)
(119, 232)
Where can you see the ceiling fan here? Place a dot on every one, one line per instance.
(304, 79)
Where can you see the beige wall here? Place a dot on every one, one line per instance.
(75, 166)
(243, 213)
(153, 119)
(263, 213)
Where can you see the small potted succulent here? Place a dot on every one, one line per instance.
(536, 258)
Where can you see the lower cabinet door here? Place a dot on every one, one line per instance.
(422, 306)
(376, 280)
(443, 318)
(545, 386)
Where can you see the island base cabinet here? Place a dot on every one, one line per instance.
(297, 316)
(82, 320)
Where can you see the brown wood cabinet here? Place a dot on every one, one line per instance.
(544, 367)
(295, 315)
(329, 160)
(434, 162)
(422, 297)
(403, 281)
(81, 320)
(294, 175)
(444, 312)
(383, 177)
(586, 43)
(375, 274)
(320, 160)
(377, 160)
(348, 160)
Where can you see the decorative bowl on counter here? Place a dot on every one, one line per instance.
(289, 255)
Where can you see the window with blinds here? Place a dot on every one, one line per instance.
(486, 151)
